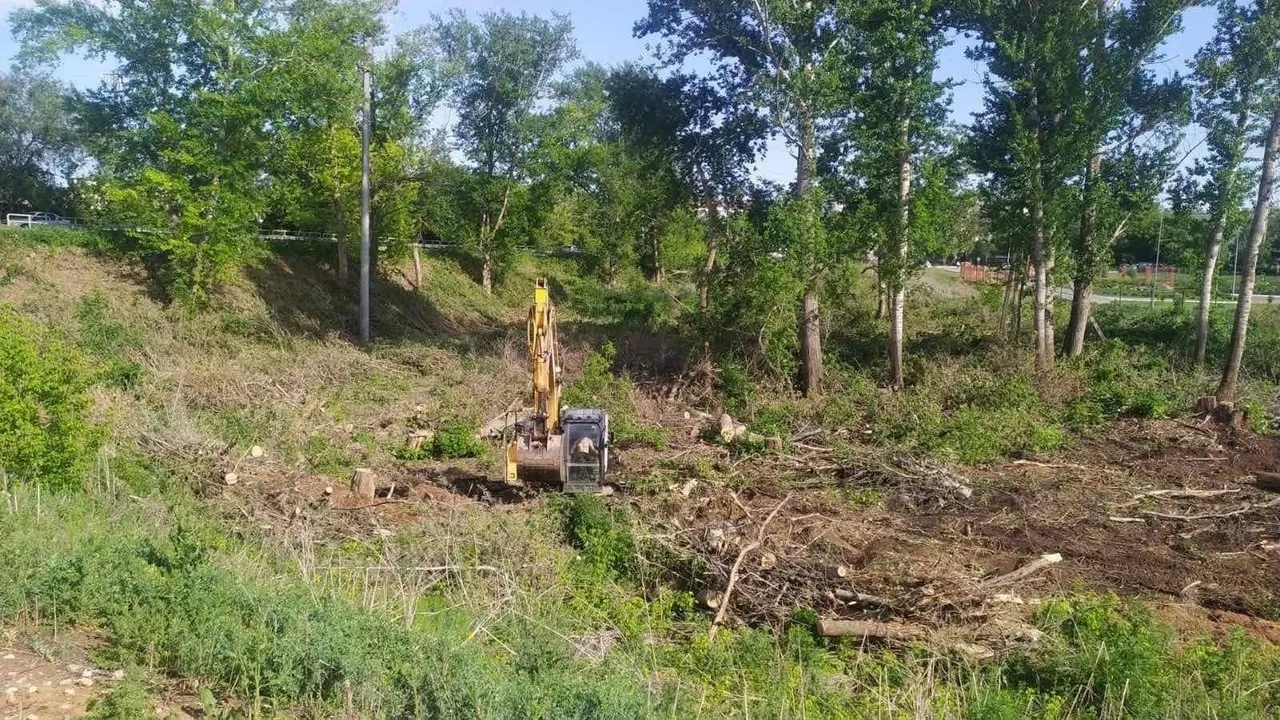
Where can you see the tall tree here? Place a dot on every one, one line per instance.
(899, 113)
(784, 56)
(1229, 73)
(1026, 141)
(39, 150)
(1121, 103)
(504, 66)
(1265, 48)
(708, 137)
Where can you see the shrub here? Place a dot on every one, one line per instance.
(603, 539)
(1121, 381)
(457, 439)
(45, 433)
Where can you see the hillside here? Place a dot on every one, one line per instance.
(206, 545)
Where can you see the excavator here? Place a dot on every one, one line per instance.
(551, 445)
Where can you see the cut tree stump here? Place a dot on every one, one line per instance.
(1206, 404)
(363, 483)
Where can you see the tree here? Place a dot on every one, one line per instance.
(900, 110)
(784, 57)
(1121, 103)
(1026, 141)
(708, 137)
(1257, 233)
(504, 66)
(182, 135)
(1228, 75)
(38, 147)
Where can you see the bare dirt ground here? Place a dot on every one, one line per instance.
(1161, 510)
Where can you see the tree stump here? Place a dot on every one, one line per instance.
(363, 483)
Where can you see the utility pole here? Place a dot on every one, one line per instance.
(1155, 275)
(365, 241)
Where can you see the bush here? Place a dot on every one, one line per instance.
(604, 540)
(1121, 381)
(45, 433)
(457, 439)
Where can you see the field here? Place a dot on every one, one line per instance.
(191, 575)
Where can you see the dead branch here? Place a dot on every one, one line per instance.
(1214, 516)
(1025, 571)
(737, 565)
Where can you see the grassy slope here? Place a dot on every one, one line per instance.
(282, 619)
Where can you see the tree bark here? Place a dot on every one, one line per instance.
(713, 245)
(1082, 287)
(486, 271)
(899, 286)
(810, 331)
(1039, 259)
(1215, 248)
(1257, 232)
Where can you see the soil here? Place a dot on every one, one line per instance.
(859, 534)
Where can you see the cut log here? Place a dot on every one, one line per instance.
(838, 572)
(768, 561)
(1025, 571)
(1206, 404)
(231, 478)
(1267, 481)
(363, 483)
(773, 444)
(256, 451)
(869, 629)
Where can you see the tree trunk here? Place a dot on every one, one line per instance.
(810, 333)
(1257, 232)
(713, 244)
(486, 271)
(882, 306)
(811, 344)
(1215, 247)
(1017, 308)
(1082, 287)
(343, 272)
(898, 284)
(657, 256)
(1039, 258)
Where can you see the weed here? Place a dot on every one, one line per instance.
(604, 539)
(45, 433)
(457, 439)
(126, 700)
(326, 458)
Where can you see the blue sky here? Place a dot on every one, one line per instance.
(603, 29)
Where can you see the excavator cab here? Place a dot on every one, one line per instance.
(586, 447)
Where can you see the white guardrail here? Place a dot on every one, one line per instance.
(30, 220)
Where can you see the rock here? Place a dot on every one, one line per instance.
(256, 451)
(117, 674)
(328, 490)
(231, 478)
(85, 682)
(86, 674)
(9, 656)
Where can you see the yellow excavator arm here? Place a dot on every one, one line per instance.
(545, 358)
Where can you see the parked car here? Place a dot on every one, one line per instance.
(38, 218)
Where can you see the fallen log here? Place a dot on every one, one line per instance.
(1025, 571)
(870, 629)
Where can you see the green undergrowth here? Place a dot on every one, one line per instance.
(590, 634)
(600, 387)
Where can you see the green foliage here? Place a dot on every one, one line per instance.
(602, 536)
(1122, 381)
(457, 439)
(126, 700)
(327, 458)
(600, 388)
(46, 436)
(107, 341)
(1109, 658)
